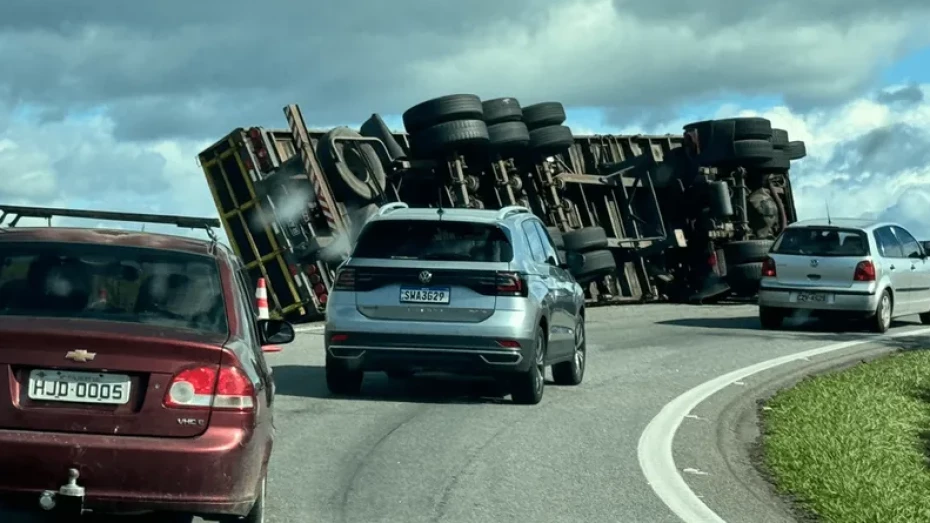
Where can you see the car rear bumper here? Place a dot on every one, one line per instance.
(837, 299)
(215, 473)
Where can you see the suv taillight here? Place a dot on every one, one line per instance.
(511, 284)
(345, 280)
(865, 271)
(225, 387)
(768, 268)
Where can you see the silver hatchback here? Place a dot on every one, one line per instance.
(463, 291)
(852, 267)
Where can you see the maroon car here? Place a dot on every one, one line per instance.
(132, 377)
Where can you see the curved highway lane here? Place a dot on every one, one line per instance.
(428, 450)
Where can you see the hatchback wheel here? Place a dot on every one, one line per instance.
(528, 387)
(572, 372)
(341, 380)
(881, 321)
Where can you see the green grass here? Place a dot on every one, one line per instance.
(851, 446)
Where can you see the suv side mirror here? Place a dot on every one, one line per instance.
(275, 332)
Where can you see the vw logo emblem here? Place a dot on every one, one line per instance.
(814, 263)
(426, 276)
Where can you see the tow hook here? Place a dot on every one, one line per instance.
(69, 498)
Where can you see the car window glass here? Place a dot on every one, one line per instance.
(888, 245)
(434, 240)
(548, 247)
(910, 246)
(532, 238)
(112, 283)
(822, 241)
(248, 311)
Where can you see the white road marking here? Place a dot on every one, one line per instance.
(655, 444)
(309, 328)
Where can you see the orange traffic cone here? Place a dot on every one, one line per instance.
(261, 301)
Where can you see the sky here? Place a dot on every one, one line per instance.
(105, 104)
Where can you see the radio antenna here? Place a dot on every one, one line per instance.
(827, 205)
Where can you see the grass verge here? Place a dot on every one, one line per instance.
(851, 446)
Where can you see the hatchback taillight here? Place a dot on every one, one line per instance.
(225, 387)
(768, 268)
(865, 271)
(345, 280)
(511, 284)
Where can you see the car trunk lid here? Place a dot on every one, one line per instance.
(99, 377)
(819, 256)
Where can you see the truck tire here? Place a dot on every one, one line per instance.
(557, 237)
(796, 150)
(596, 264)
(441, 110)
(551, 139)
(778, 163)
(500, 110)
(351, 167)
(746, 251)
(545, 114)
(375, 127)
(744, 278)
(751, 128)
(585, 239)
(508, 135)
(449, 136)
(754, 151)
(779, 138)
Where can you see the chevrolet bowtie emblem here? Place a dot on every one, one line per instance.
(81, 356)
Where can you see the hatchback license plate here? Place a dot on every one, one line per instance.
(79, 387)
(425, 294)
(812, 297)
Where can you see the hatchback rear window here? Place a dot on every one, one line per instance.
(822, 241)
(114, 283)
(433, 240)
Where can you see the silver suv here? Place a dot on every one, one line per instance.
(463, 291)
(850, 267)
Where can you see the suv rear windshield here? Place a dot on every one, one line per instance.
(433, 240)
(113, 283)
(822, 241)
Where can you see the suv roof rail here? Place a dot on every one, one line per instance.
(184, 222)
(512, 209)
(391, 207)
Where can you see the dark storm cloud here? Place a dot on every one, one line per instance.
(881, 154)
(198, 68)
(909, 95)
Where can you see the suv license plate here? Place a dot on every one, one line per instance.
(424, 294)
(812, 297)
(79, 387)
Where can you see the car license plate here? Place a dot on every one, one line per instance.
(79, 387)
(811, 297)
(424, 294)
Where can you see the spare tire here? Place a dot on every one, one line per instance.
(595, 264)
(351, 167)
(375, 127)
(450, 136)
(544, 114)
(508, 135)
(441, 110)
(746, 251)
(551, 139)
(748, 128)
(557, 239)
(753, 151)
(500, 110)
(585, 239)
(779, 138)
(779, 163)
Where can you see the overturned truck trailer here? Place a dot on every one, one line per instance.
(685, 217)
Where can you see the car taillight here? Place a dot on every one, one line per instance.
(226, 387)
(865, 271)
(345, 280)
(712, 259)
(511, 284)
(768, 268)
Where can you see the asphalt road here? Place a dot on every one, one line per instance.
(428, 450)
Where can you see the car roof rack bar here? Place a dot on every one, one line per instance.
(391, 207)
(184, 222)
(511, 209)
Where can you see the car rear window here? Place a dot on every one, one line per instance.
(822, 241)
(114, 283)
(433, 240)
